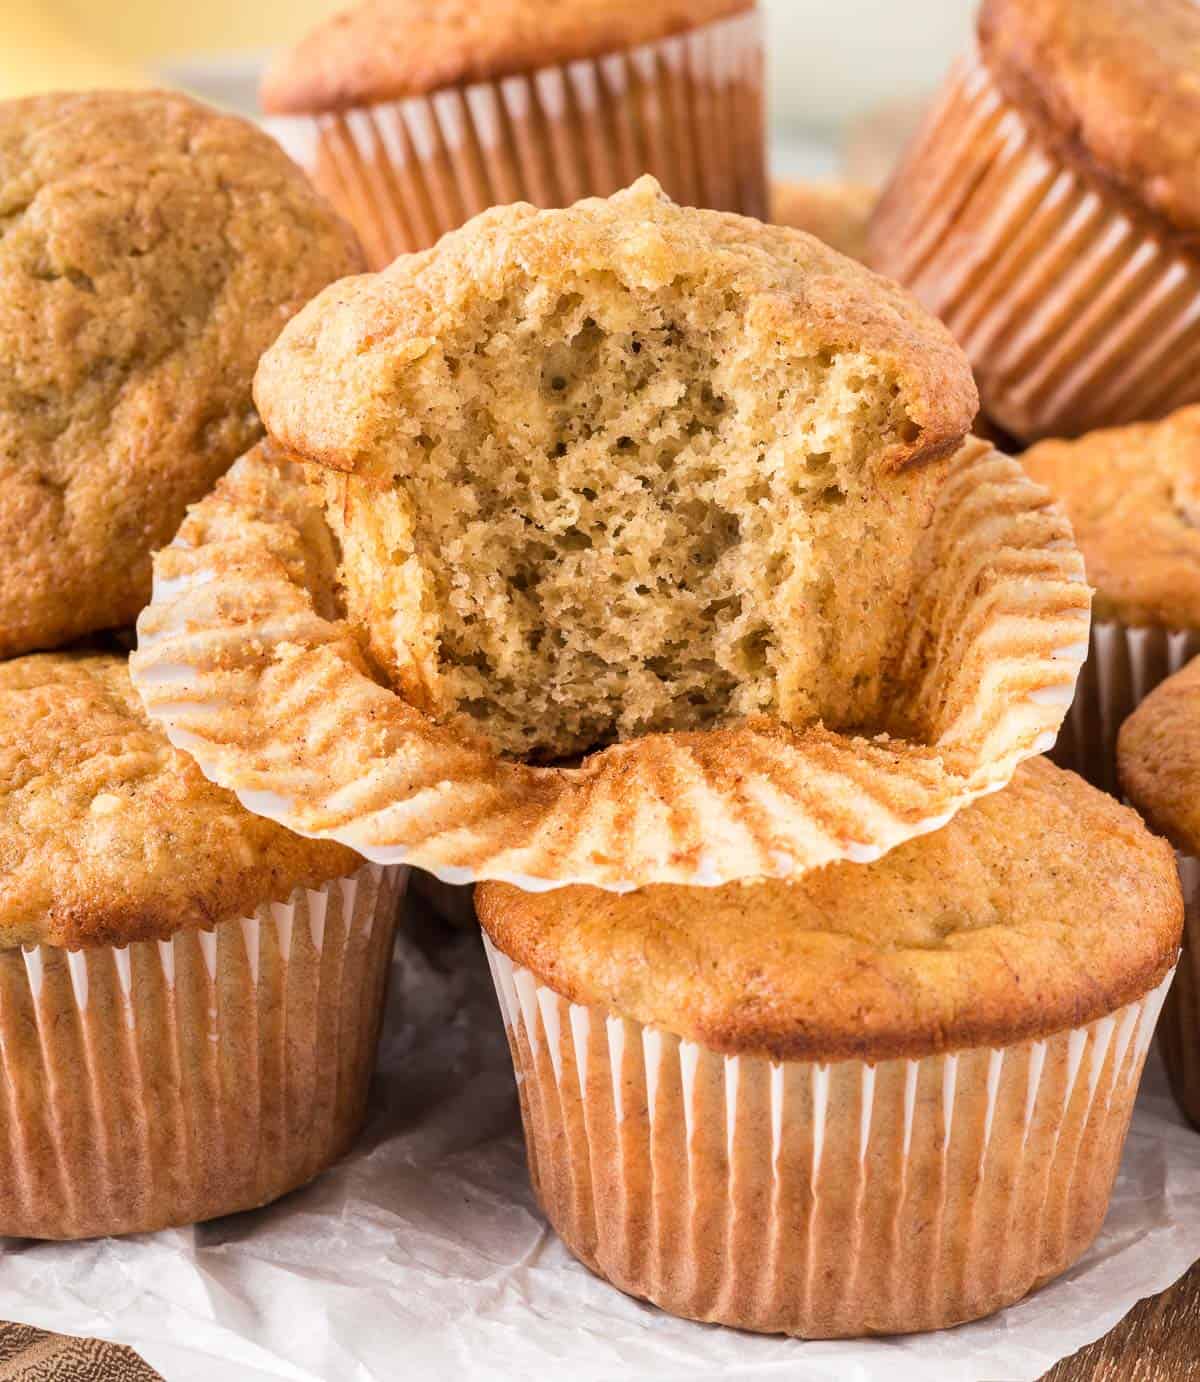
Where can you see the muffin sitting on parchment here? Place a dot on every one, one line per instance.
(415, 115)
(886, 1098)
(189, 995)
(151, 250)
(669, 489)
(1048, 212)
(1133, 497)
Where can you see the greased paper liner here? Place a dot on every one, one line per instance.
(1179, 1030)
(274, 702)
(819, 1200)
(688, 109)
(1125, 663)
(167, 1082)
(1073, 314)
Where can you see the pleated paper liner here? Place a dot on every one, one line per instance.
(1125, 663)
(1179, 1029)
(1074, 315)
(820, 1200)
(688, 109)
(240, 662)
(167, 1082)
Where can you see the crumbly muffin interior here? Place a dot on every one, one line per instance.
(612, 511)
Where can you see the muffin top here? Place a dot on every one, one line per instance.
(151, 249)
(385, 50)
(1112, 85)
(835, 212)
(1133, 497)
(1038, 909)
(108, 834)
(623, 468)
(1158, 758)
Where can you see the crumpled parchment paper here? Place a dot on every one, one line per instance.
(423, 1256)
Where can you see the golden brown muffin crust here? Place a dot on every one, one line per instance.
(835, 212)
(1112, 84)
(1037, 910)
(1158, 758)
(1133, 497)
(150, 250)
(388, 49)
(108, 834)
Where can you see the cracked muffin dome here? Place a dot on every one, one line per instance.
(1040, 908)
(622, 468)
(108, 834)
(150, 250)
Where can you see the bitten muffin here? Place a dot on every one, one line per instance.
(151, 250)
(671, 489)
(189, 995)
(836, 212)
(1048, 212)
(1133, 497)
(1159, 759)
(727, 1092)
(414, 115)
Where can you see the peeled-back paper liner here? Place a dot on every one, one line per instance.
(274, 701)
(167, 1082)
(1179, 1030)
(819, 1200)
(1074, 315)
(688, 109)
(1125, 663)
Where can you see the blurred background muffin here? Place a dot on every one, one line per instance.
(152, 249)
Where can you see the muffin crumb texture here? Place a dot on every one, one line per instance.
(621, 469)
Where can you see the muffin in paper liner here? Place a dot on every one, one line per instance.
(1123, 666)
(1074, 312)
(170, 1081)
(243, 661)
(824, 1200)
(688, 108)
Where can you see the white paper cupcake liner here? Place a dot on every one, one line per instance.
(819, 1200)
(240, 664)
(1074, 315)
(1179, 1030)
(688, 109)
(1125, 663)
(167, 1082)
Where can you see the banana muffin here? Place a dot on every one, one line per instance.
(1159, 759)
(189, 995)
(1048, 211)
(151, 251)
(727, 1092)
(414, 115)
(679, 492)
(836, 212)
(1133, 497)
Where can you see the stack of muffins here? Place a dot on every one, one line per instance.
(628, 560)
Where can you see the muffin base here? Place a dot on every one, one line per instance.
(1125, 663)
(1074, 314)
(167, 1082)
(1179, 1030)
(825, 1201)
(688, 109)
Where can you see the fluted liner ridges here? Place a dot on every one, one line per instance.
(1125, 663)
(167, 1082)
(1179, 1030)
(688, 109)
(239, 658)
(1074, 315)
(819, 1200)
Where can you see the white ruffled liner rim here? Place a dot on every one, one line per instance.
(1125, 663)
(572, 1034)
(152, 676)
